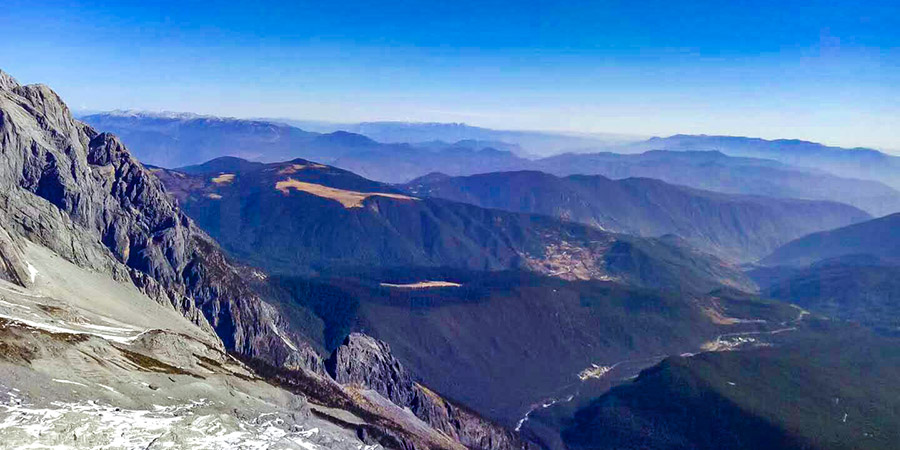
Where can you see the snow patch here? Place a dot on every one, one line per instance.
(13, 305)
(110, 389)
(70, 329)
(422, 285)
(69, 382)
(32, 272)
(283, 337)
(92, 425)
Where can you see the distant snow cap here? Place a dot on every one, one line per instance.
(158, 114)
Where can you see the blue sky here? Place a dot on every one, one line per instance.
(824, 71)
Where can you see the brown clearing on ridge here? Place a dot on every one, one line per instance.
(423, 285)
(293, 168)
(350, 199)
(223, 178)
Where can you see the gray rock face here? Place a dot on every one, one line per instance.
(367, 363)
(12, 267)
(81, 194)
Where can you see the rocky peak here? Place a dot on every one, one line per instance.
(12, 266)
(365, 362)
(7, 82)
(81, 194)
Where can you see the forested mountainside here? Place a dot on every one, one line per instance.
(717, 171)
(741, 227)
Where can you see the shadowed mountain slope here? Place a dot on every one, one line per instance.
(877, 237)
(300, 217)
(858, 288)
(848, 273)
(502, 342)
(810, 393)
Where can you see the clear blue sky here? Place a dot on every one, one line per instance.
(824, 71)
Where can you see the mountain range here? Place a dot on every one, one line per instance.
(865, 163)
(359, 255)
(299, 217)
(175, 140)
(523, 143)
(84, 220)
(715, 171)
(740, 227)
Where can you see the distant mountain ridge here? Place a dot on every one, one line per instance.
(865, 163)
(527, 143)
(731, 226)
(175, 140)
(715, 171)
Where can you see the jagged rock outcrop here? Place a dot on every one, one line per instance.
(81, 194)
(12, 267)
(365, 362)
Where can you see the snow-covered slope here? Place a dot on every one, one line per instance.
(87, 362)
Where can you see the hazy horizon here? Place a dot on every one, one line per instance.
(794, 71)
(623, 137)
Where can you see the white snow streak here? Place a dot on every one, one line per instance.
(32, 272)
(70, 329)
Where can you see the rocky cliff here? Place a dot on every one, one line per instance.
(367, 363)
(81, 194)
